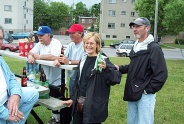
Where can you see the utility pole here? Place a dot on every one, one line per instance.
(73, 12)
(156, 19)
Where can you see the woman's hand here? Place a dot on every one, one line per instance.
(102, 65)
(68, 102)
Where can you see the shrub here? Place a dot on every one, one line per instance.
(181, 41)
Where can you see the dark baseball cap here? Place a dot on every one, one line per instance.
(141, 21)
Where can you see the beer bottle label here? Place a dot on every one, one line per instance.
(24, 82)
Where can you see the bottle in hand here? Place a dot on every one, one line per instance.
(62, 53)
(24, 78)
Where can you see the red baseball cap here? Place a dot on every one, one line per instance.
(75, 27)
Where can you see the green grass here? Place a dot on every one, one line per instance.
(169, 105)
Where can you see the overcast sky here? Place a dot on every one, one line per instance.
(88, 3)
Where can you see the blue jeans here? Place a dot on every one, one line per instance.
(142, 111)
(71, 84)
(29, 98)
(31, 67)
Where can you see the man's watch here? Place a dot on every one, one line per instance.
(69, 62)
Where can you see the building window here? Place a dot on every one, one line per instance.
(111, 25)
(90, 20)
(83, 20)
(26, 21)
(107, 36)
(123, 12)
(112, 13)
(127, 37)
(24, 16)
(7, 8)
(122, 24)
(8, 21)
(132, 13)
(114, 36)
(123, 0)
(112, 1)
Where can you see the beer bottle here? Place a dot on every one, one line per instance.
(24, 78)
(62, 53)
(42, 76)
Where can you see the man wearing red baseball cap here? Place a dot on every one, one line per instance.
(75, 27)
(74, 51)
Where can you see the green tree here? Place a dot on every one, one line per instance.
(95, 10)
(40, 9)
(173, 19)
(146, 8)
(58, 15)
(80, 10)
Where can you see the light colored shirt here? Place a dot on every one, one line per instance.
(74, 52)
(53, 74)
(3, 86)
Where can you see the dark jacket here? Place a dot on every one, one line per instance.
(97, 93)
(146, 71)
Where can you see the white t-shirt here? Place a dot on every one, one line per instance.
(53, 74)
(3, 86)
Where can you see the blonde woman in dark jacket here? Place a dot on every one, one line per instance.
(93, 83)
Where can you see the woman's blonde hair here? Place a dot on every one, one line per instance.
(96, 38)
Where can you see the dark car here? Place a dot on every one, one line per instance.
(126, 41)
(21, 35)
(102, 43)
(9, 46)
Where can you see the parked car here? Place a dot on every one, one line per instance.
(124, 49)
(21, 35)
(102, 43)
(126, 41)
(8, 37)
(13, 47)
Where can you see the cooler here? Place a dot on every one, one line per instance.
(25, 46)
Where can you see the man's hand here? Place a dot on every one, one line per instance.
(63, 59)
(13, 105)
(31, 59)
(16, 118)
(56, 62)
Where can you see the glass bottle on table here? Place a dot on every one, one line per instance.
(24, 78)
(42, 76)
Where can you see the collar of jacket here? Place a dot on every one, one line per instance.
(142, 52)
(93, 71)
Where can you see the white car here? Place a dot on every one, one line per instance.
(124, 49)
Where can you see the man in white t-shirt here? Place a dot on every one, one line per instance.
(16, 102)
(47, 48)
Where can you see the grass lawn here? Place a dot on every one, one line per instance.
(169, 105)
